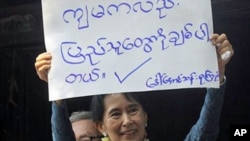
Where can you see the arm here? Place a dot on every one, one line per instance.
(207, 126)
(61, 126)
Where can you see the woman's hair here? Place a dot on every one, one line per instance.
(97, 105)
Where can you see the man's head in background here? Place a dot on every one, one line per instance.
(83, 126)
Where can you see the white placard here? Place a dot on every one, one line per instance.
(111, 46)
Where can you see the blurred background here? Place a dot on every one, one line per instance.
(24, 107)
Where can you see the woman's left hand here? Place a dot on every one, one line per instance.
(224, 51)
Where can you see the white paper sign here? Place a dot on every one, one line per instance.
(111, 46)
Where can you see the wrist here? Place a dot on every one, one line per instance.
(222, 75)
(59, 102)
(223, 81)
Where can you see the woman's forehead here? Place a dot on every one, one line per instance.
(114, 96)
(118, 98)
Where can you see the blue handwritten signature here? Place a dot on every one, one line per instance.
(161, 79)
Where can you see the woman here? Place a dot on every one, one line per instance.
(121, 116)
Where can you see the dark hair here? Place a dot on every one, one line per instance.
(97, 105)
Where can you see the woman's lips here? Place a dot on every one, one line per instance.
(128, 132)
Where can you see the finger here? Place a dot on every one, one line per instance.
(225, 45)
(225, 50)
(43, 76)
(43, 59)
(43, 56)
(220, 39)
(42, 62)
(42, 72)
(213, 38)
(42, 66)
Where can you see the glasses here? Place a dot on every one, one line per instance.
(92, 138)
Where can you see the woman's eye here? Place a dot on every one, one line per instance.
(133, 110)
(115, 115)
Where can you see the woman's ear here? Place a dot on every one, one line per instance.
(99, 126)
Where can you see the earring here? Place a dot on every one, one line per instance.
(105, 138)
(145, 137)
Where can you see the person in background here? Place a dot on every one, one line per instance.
(79, 124)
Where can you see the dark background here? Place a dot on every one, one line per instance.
(24, 108)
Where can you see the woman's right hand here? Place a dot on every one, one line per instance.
(42, 65)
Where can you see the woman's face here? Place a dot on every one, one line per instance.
(123, 120)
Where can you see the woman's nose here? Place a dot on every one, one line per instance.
(127, 121)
